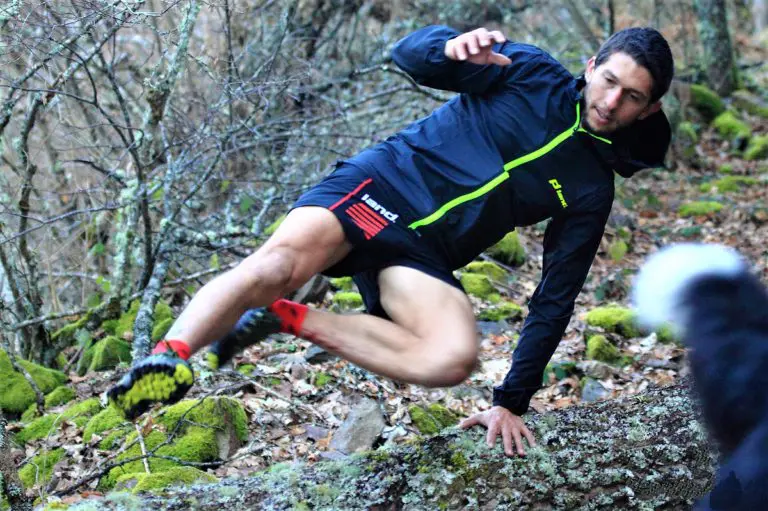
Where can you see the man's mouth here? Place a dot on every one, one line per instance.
(602, 117)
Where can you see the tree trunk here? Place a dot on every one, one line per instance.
(717, 58)
(643, 452)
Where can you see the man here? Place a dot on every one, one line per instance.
(524, 141)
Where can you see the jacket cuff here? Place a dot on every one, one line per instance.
(516, 401)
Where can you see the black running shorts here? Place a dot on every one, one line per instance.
(374, 224)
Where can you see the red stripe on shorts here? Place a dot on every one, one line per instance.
(370, 214)
(350, 194)
(363, 223)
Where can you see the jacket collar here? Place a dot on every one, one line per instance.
(639, 146)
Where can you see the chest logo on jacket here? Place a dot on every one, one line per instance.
(559, 189)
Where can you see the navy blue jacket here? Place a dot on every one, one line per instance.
(509, 151)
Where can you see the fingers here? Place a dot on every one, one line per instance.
(506, 436)
(529, 436)
(470, 421)
(493, 431)
(476, 46)
(518, 442)
(499, 59)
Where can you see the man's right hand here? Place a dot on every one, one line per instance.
(477, 47)
(501, 421)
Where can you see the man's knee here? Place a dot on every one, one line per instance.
(452, 366)
(270, 268)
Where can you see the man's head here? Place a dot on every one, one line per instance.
(626, 79)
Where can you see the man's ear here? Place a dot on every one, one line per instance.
(590, 69)
(650, 109)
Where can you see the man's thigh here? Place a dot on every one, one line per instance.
(429, 307)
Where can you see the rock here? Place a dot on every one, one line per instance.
(505, 310)
(16, 393)
(658, 363)
(361, 428)
(79, 413)
(317, 355)
(488, 328)
(509, 250)
(432, 419)
(105, 354)
(477, 285)
(757, 149)
(706, 101)
(59, 396)
(593, 391)
(141, 481)
(621, 220)
(314, 290)
(487, 268)
(750, 103)
(316, 432)
(732, 129)
(614, 319)
(596, 369)
(599, 348)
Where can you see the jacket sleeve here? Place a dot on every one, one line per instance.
(570, 245)
(422, 55)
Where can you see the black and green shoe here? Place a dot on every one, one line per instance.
(253, 326)
(161, 378)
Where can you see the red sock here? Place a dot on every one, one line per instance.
(291, 313)
(181, 348)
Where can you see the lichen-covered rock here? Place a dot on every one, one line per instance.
(59, 396)
(37, 472)
(432, 419)
(757, 149)
(143, 482)
(79, 413)
(601, 349)
(343, 283)
(107, 353)
(731, 128)
(477, 285)
(492, 270)
(360, 429)
(706, 101)
(509, 250)
(347, 300)
(699, 208)
(16, 393)
(614, 319)
(504, 310)
(728, 184)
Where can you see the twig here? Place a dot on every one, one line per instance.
(143, 447)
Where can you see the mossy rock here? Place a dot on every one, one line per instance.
(143, 482)
(246, 369)
(757, 149)
(731, 128)
(706, 101)
(432, 419)
(488, 268)
(16, 393)
(509, 250)
(107, 419)
(271, 228)
(685, 141)
(348, 300)
(108, 353)
(601, 349)
(505, 310)
(665, 335)
(124, 325)
(726, 168)
(728, 184)
(59, 396)
(477, 285)
(614, 319)
(67, 334)
(618, 250)
(79, 413)
(750, 103)
(161, 328)
(220, 414)
(38, 471)
(343, 283)
(699, 208)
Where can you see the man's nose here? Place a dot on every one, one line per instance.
(613, 98)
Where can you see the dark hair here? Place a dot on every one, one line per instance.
(649, 49)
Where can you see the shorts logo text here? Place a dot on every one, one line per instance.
(380, 209)
(559, 189)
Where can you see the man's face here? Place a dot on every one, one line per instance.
(618, 93)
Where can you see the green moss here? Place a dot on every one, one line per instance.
(433, 419)
(509, 250)
(487, 268)
(61, 361)
(39, 469)
(79, 413)
(347, 300)
(726, 168)
(105, 420)
(600, 348)
(687, 138)
(30, 413)
(477, 285)
(125, 323)
(140, 482)
(115, 439)
(618, 250)
(343, 283)
(109, 326)
(161, 328)
(16, 393)
(505, 310)
(665, 335)
(246, 369)
(706, 101)
(728, 184)
(614, 319)
(322, 379)
(214, 413)
(67, 334)
(108, 353)
(270, 230)
(59, 396)
(699, 208)
(757, 148)
(730, 127)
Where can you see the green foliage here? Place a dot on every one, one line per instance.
(323, 379)
(246, 369)
(731, 128)
(726, 168)
(343, 283)
(504, 310)
(509, 250)
(347, 300)
(492, 270)
(39, 469)
(16, 393)
(728, 184)
(600, 348)
(757, 149)
(270, 230)
(699, 208)
(105, 354)
(143, 482)
(59, 396)
(706, 101)
(432, 419)
(618, 249)
(477, 285)
(614, 319)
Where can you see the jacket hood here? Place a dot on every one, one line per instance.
(641, 145)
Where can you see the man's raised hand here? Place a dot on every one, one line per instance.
(477, 47)
(501, 421)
